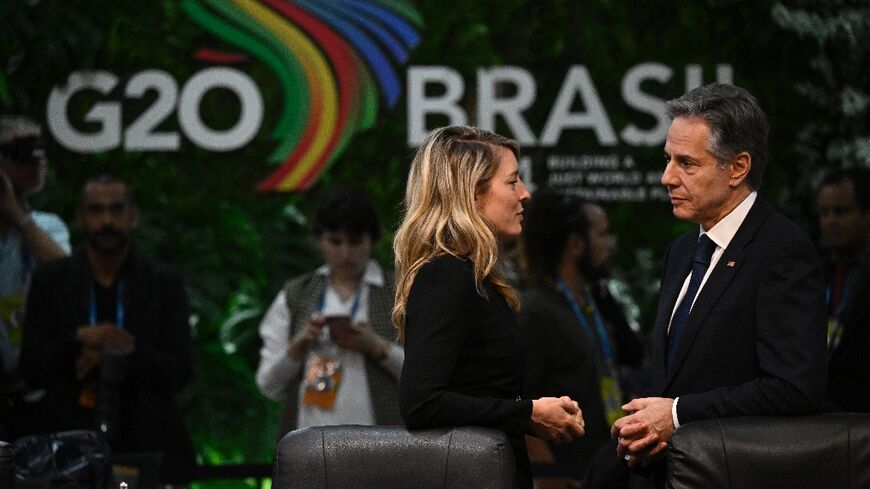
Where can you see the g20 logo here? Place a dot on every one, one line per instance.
(142, 133)
(334, 64)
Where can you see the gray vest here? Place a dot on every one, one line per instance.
(302, 294)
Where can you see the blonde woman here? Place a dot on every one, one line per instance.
(454, 310)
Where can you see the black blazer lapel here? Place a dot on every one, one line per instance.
(720, 278)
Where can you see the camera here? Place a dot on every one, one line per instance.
(28, 150)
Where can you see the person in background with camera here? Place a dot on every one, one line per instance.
(106, 335)
(27, 239)
(325, 349)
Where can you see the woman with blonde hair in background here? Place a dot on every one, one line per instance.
(453, 308)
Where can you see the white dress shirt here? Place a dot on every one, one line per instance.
(721, 233)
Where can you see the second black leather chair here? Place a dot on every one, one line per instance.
(826, 451)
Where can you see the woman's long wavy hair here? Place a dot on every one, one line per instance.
(453, 166)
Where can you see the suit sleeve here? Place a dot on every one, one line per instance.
(442, 306)
(166, 363)
(790, 344)
(48, 349)
(277, 374)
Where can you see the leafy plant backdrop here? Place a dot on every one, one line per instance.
(805, 61)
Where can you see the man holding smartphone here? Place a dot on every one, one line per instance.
(327, 338)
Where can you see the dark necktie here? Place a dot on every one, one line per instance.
(703, 251)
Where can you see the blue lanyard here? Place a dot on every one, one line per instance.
(119, 304)
(353, 307)
(606, 352)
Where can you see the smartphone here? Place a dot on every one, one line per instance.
(337, 323)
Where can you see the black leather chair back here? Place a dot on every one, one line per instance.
(824, 451)
(386, 457)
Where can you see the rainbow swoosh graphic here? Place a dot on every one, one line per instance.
(332, 59)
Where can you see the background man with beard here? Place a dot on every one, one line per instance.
(107, 336)
(844, 220)
(577, 335)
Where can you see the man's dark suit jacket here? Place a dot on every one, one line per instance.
(755, 340)
(156, 314)
(848, 375)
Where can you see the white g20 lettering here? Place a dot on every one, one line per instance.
(141, 134)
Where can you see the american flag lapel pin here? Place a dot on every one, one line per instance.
(730, 264)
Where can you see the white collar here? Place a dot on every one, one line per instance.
(723, 231)
(373, 274)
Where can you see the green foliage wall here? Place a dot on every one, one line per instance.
(805, 63)
(836, 92)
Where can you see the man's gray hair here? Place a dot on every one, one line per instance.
(736, 122)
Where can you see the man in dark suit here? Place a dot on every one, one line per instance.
(844, 221)
(740, 328)
(106, 335)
